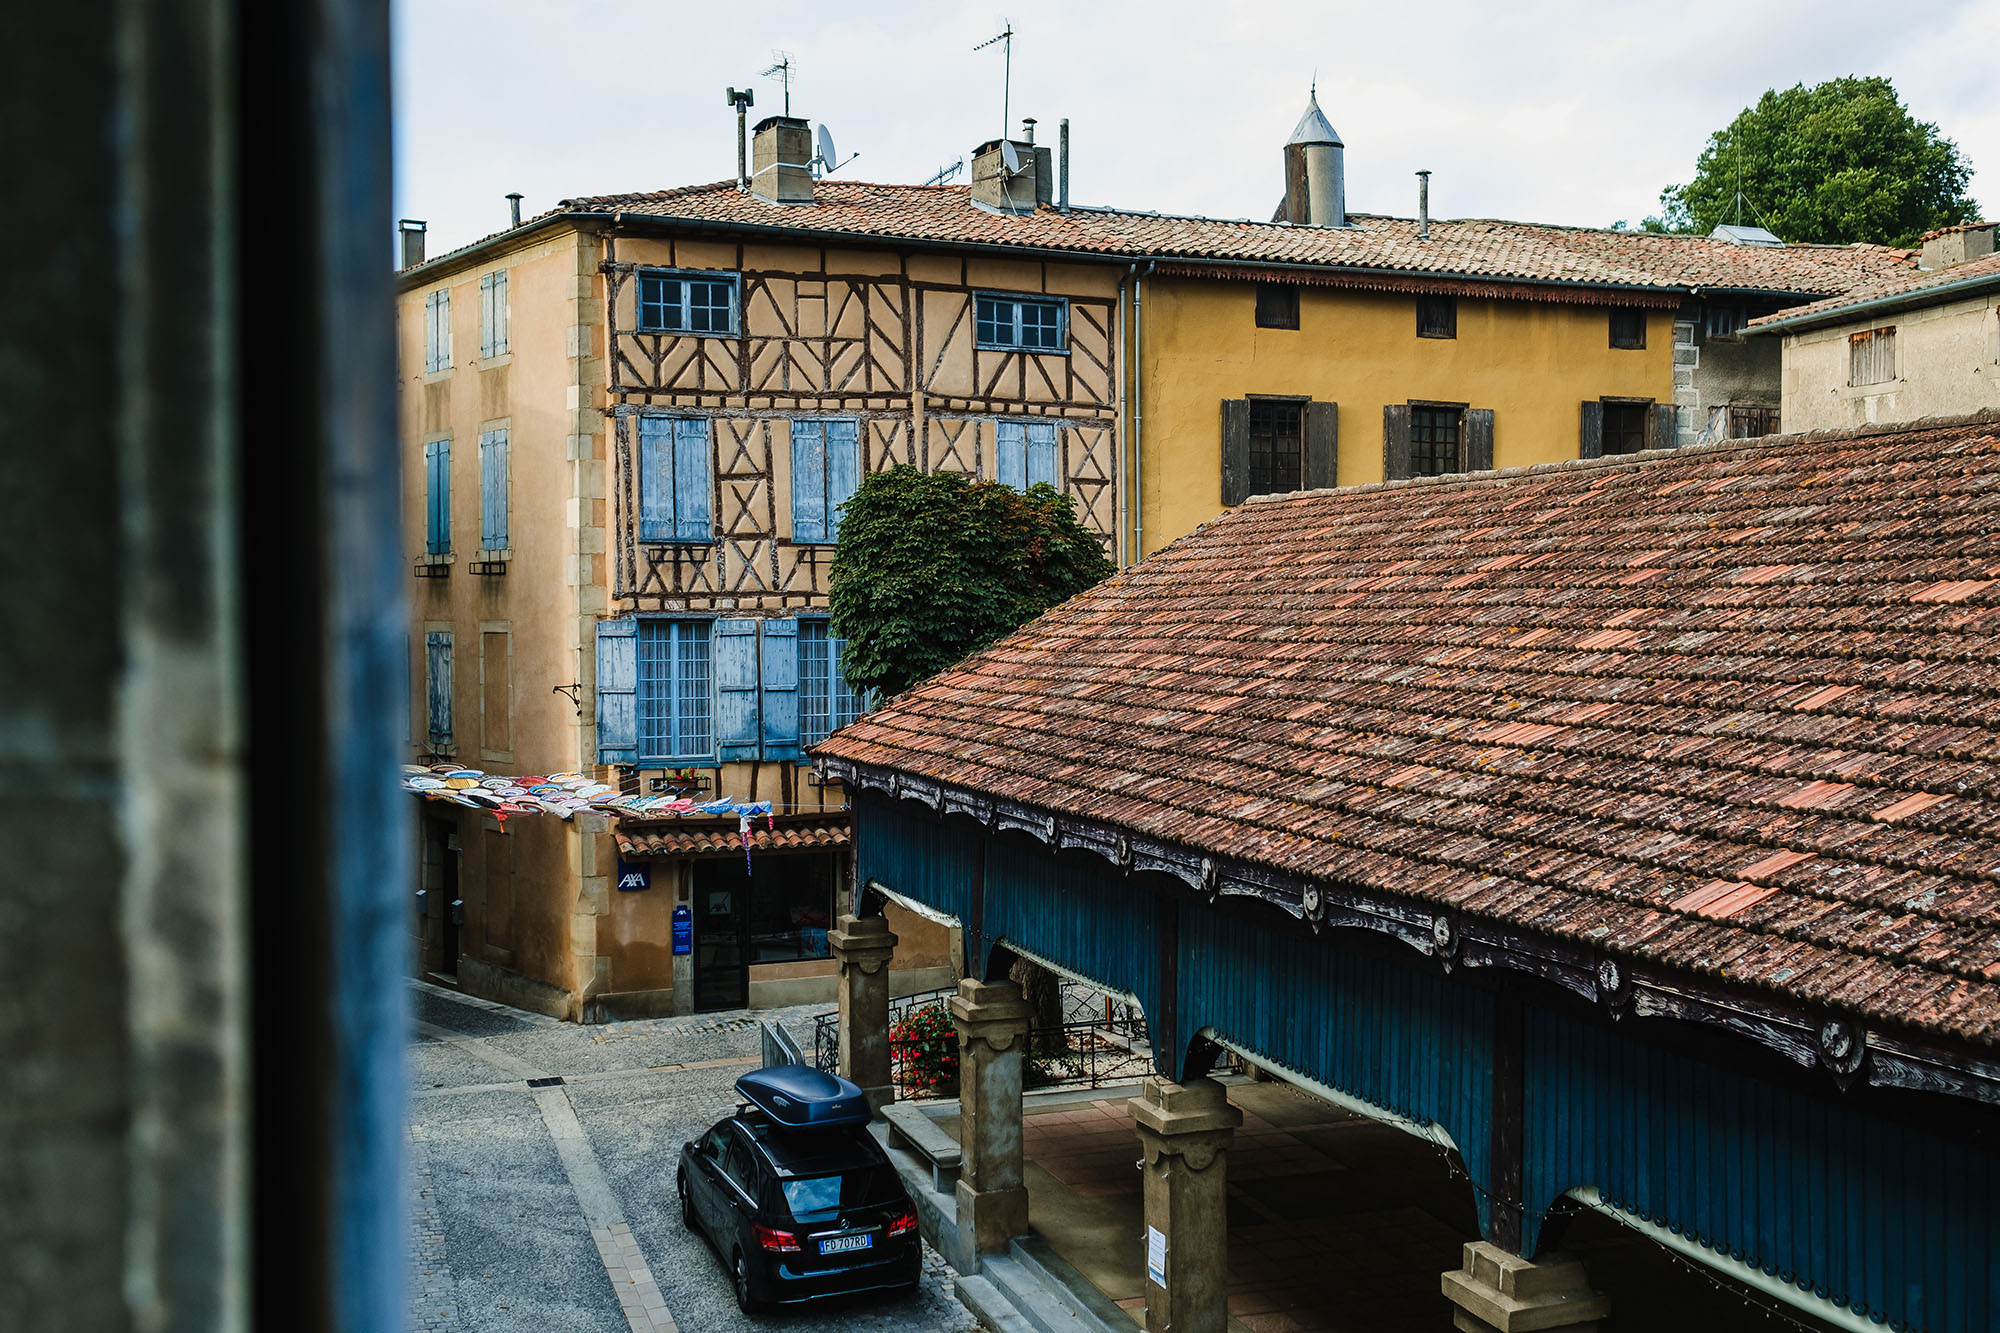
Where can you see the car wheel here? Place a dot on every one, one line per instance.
(687, 1204)
(746, 1301)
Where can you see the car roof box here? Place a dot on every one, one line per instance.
(798, 1097)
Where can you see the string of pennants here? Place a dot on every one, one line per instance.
(564, 795)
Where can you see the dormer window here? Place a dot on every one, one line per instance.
(1022, 323)
(687, 303)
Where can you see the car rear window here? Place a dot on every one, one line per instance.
(813, 1197)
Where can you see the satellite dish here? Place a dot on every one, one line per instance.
(1011, 156)
(827, 155)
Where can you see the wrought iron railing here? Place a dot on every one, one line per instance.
(1101, 1042)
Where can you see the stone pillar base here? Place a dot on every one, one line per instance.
(991, 1218)
(1184, 1134)
(1498, 1292)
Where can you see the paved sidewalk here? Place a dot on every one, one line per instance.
(551, 1208)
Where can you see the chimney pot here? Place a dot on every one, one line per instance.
(1063, 153)
(514, 208)
(780, 158)
(413, 240)
(1028, 128)
(1423, 205)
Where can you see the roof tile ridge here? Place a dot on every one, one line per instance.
(1509, 476)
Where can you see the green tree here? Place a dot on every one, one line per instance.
(1841, 161)
(931, 567)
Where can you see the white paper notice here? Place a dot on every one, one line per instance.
(1156, 1257)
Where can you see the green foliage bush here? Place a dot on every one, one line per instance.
(933, 566)
(1841, 161)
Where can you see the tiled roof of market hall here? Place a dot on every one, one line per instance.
(1732, 710)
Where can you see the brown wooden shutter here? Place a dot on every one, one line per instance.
(1590, 436)
(1395, 441)
(1662, 426)
(1235, 450)
(1322, 445)
(1479, 439)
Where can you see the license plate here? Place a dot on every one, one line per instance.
(842, 1244)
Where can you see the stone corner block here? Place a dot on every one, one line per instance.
(862, 939)
(1198, 1106)
(1499, 1292)
(982, 1003)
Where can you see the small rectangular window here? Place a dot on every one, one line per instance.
(1628, 328)
(826, 704)
(1025, 454)
(687, 303)
(674, 480)
(1021, 323)
(1437, 317)
(437, 497)
(1434, 440)
(1724, 321)
(1871, 357)
(674, 704)
(437, 677)
(493, 314)
(493, 461)
(1277, 447)
(1624, 427)
(1748, 422)
(1277, 306)
(437, 331)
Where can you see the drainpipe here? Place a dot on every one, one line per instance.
(1139, 411)
(1124, 425)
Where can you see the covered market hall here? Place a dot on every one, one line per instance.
(1631, 826)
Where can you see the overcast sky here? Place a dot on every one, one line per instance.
(1536, 110)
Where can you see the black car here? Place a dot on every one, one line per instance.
(796, 1196)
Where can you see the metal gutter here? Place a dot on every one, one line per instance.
(1905, 300)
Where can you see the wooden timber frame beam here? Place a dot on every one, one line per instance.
(1621, 987)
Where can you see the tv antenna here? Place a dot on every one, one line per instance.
(829, 157)
(945, 173)
(1007, 74)
(781, 69)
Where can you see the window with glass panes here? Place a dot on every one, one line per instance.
(1434, 439)
(1020, 323)
(1277, 447)
(684, 303)
(826, 703)
(1625, 427)
(674, 696)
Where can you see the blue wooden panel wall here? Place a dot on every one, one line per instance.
(1098, 924)
(1420, 1046)
(916, 855)
(1892, 1223)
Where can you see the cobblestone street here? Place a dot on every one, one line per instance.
(550, 1207)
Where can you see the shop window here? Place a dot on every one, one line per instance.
(791, 906)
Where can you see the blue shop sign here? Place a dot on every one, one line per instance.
(683, 929)
(634, 875)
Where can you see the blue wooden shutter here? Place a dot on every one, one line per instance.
(486, 315)
(500, 343)
(736, 725)
(809, 516)
(437, 650)
(843, 469)
(1041, 453)
(618, 691)
(656, 479)
(780, 670)
(1010, 456)
(493, 490)
(691, 481)
(437, 495)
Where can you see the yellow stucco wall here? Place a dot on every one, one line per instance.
(1947, 364)
(1531, 363)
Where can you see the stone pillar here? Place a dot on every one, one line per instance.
(862, 945)
(992, 1022)
(1184, 1133)
(1504, 1292)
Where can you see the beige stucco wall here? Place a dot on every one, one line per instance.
(1947, 363)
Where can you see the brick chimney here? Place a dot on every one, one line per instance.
(1021, 191)
(781, 161)
(1954, 245)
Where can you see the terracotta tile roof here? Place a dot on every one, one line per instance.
(1473, 247)
(1914, 287)
(679, 838)
(1774, 759)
